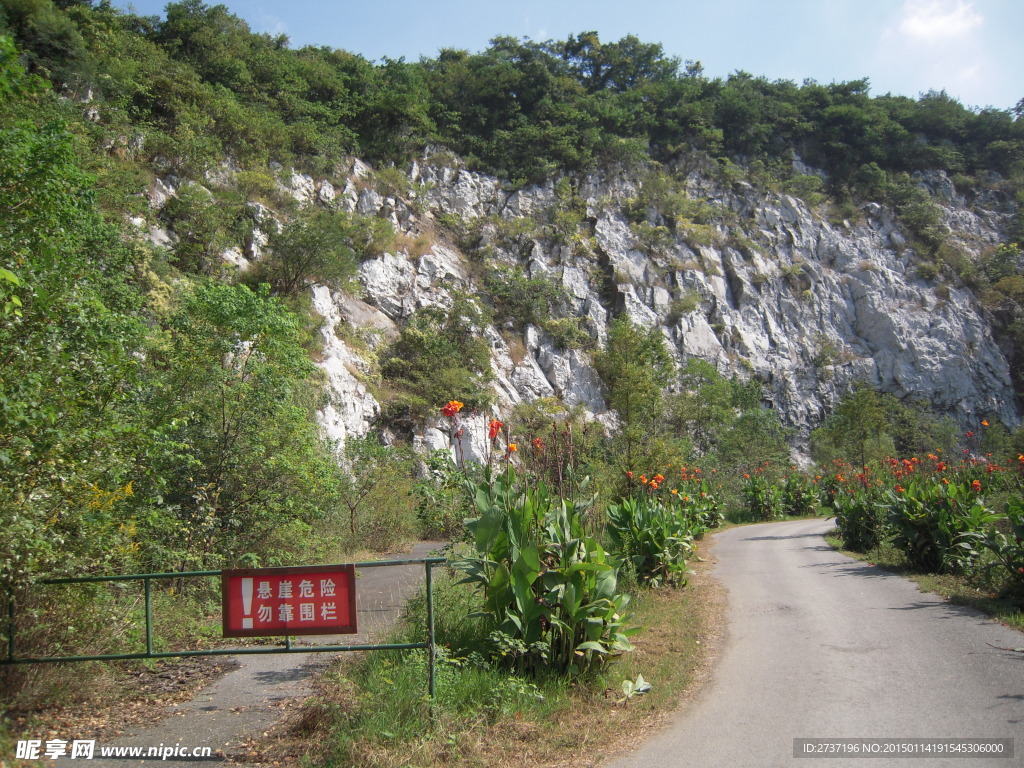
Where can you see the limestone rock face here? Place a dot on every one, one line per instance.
(768, 289)
(350, 408)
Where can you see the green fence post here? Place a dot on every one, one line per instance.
(149, 618)
(431, 646)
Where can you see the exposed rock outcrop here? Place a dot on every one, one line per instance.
(769, 289)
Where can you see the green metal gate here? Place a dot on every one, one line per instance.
(149, 653)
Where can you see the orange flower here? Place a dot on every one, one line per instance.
(643, 479)
(976, 486)
(494, 428)
(654, 484)
(659, 478)
(538, 444)
(900, 489)
(513, 447)
(984, 423)
(453, 407)
(675, 492)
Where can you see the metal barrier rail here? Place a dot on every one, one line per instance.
(147, 578)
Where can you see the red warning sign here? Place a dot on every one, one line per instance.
(305, 600)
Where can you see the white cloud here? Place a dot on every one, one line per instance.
(932, 21)
(270, 23)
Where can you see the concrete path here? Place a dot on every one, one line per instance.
(822, 646)
(249, 699)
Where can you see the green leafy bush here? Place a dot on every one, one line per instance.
(439, 355)
(799, 496)
(521, 300)
(762, 497)
(860, 518)
(654, 536)
(929, 518)
(320, 245)
(548, 588)
(1004, 539)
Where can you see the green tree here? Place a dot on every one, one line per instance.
(321, 245)
(240, 457)
(68, 334)
(704, 405)
(856, 430)
(636, 368)
(375, 492)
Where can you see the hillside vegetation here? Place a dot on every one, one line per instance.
(158, 408)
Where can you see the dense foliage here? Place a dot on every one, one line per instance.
(201, 84)
(145, 424)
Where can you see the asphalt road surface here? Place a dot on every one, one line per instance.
(822, 646)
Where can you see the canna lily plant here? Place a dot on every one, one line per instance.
(548, 587)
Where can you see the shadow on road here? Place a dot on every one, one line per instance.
(275, 677)
(783, 538)
(840, 568)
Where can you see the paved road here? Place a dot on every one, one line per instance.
(822, 646)
(248, 699)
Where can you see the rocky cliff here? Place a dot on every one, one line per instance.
(756, 282)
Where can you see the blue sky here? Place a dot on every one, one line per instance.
(970, 48)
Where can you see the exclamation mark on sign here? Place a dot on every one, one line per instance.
(247, 603)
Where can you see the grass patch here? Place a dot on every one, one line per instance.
(958, 589)
(373, 710)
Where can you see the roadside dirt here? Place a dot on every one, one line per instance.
(142, 696)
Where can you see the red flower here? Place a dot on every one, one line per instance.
(494, 428)
(970, 434)
(629, 474)
(659, 478)
(538, 445)
(976, 486)
(453, 407)
(900, 489)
